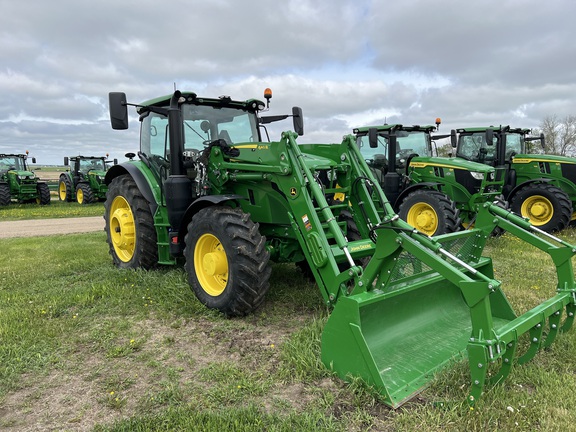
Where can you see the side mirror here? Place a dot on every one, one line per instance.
(453, 139)
(118, 110)
(66, 162)
(373, 137)
(298, 120)
(115, 161)
(542, 141)
(33, 160)
(489, 137)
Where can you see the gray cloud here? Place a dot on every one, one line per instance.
(345, 63)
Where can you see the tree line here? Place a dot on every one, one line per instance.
(560, 135)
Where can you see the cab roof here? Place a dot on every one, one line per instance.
(192, 98)
(393, 127)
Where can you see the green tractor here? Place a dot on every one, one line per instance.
(539, 187)
(210, 193)
(436, 195)
(19, 183)
(84, 182)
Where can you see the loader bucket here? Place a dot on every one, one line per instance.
(422, 303)
(397, 341)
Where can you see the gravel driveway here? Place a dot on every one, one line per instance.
(45, 227)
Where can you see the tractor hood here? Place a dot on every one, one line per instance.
(22, 173)
(99, 173)
(529, 158)
(454, 163)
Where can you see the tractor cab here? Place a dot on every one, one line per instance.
(14, 162)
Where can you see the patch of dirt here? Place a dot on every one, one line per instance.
(90, 388)
(45, 227)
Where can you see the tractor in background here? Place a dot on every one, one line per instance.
(84, 182)
(19, 183)
(539, 187)
(436, 195)
(208, 192)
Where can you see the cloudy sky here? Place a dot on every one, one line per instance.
(346, 63)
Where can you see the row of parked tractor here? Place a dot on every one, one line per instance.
(438, 195)
(82, 182)
(435, 194)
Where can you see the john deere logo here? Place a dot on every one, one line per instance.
(293, 191)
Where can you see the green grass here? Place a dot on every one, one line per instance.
(92, 346)
(56, 209)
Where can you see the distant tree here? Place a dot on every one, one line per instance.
(560, 135)
(442, 148)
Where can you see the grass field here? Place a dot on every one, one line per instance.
(86, 346)
(56, 209)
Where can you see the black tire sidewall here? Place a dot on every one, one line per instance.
(558, 220)
(88, 196)
(434, 200)
(222, 223)
(145, 248)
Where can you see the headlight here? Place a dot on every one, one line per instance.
(477, 175)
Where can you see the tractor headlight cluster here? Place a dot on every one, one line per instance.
(477, 175)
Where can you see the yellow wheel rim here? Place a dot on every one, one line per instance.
(122, 229)
(80, 196)
(423, 217)
(211, 265)
(62, 191)
(538, 209)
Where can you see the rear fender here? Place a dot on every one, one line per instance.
(141, 181)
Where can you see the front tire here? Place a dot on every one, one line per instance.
(430, 212)
(546, 206)
(226, 260)
(129, 227)
(84, 194)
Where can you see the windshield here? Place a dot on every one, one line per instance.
(12, 163)
(514, 144)
(473, 147)
(202, 125)
(92, 164)
(413, 142)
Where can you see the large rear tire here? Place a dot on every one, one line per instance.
(4, 194)
(43, 194)
(129, 227)
(226, 260)
(546, 206)
(430, 212)
(65, 189)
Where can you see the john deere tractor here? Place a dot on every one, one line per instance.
(434, 194)
(209, 192)
(84, 182)
(18, 183)
(539, 187)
